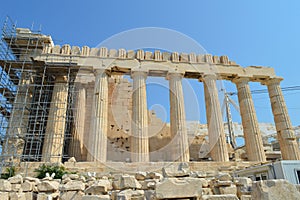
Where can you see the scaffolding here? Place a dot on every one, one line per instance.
(25, 96)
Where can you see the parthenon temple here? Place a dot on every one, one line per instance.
(59, 102)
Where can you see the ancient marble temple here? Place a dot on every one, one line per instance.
(73, 102)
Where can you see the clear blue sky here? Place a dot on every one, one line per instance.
(256, 32)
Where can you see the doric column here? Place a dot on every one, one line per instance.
(77, 147)
(55, 131)
(177, 117)
(217, 140)
(139, 140)
(98, 134)
(253, 139)
(18, 121)
(285, 132)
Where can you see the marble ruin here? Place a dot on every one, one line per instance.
(95, 114)
(87, 108)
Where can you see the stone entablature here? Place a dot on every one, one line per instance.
(159, 64)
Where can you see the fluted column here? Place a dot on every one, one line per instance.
(139, 140)
(285, 132)
(217, 141)
(253, 139)
(98, 133)
(55, 131)
(177, 117)
(77, 147)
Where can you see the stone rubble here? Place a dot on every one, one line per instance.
(274, 189)
(180, 184)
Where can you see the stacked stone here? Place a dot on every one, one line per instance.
(244, 186)
(98, 189)
(17, 187)
(72, 187)
(48, 188)
(175, 182)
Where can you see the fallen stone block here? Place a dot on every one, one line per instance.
(42, 196)
(150, 194)
(224, 177)
(154, 175)
(198, 174)
(48, 186)
(246, 197)
(95, 197)
(212, 174)
(66, 180)
(140, 176)
(148, 184)
(223, 183)
(27, 186)
(205, 183)
(243, 190)
(4, 196)
(16, 187)
(219, 197)
(178, 188)
(82, 178)
(17, 196)
(131, 194)
(207, 191)
(74, 176)
(114, 194)
(30, 196)
(129, 182)
(216, 190)
(274, 189)
(116, 184)
(73, 186)
(47, 196)
(242, 181)
(5, 185)
(100, 187)
(228, 190)
(176, 170)
(31, 179)
(18, 179)
(71, 195)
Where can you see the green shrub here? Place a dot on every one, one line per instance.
(9, 172)
(58, 170)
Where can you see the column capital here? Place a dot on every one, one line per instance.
(239, 79)
(205, 77)
(272, 81)
(139, 73)
(61, 79)
(174, 74)
(100, 71)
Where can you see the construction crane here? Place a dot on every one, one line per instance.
(229, 121)
(227, 101)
